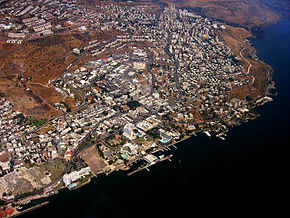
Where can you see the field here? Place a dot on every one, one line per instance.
(23, 180)
(55, 167)
(234, 37)
(93, 159)
(26, 101)
(32, 65)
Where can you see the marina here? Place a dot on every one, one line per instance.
(150, 164)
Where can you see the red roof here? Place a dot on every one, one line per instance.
(68, 153)
(8, 211)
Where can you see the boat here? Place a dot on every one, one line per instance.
(207, 133)
(167, 157)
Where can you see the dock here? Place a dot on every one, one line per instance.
(207, 133)
(150, 164)
(30, 209)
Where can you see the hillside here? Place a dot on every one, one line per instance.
(246, 13)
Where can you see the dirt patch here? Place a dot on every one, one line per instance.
(234, 38)
(92, 158)
(27, 102)
(4, 156)
(9, 68)
(48, 94)
(35, 97)
(55, 167)
(40, 60)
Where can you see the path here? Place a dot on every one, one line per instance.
(250, 65)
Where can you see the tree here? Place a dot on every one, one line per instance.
(2, 202)
(133, 104)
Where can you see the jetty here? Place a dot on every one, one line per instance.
(18, 213)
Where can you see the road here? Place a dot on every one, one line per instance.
(176, 63)
(250, 65)
(153, 78)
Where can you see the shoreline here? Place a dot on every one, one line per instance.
(270, 85)
(31, 198)
(30, 209)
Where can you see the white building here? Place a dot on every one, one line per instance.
(128, 129)
(74, 176)
(129, 148)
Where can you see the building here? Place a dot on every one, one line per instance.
(139, 65)
(75, 175)
(76, 51)
(165, 136)
(129, 148)
(128, 129)
(150, 158)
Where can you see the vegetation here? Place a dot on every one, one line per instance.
(76, 93)
(55, 167)
(181, 136)
(74, 164)
(153, 133)
(59, 185)
(114, 142)
(133, 104)
(34, 121)
(26, 194)
(67, 106)
(172, 125)
(20, 117)
(2, 202)
(139, 140)
(100, 151)
(85, 179)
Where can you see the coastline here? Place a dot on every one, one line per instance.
(267, 92)
(186, 137)
(30, 209)
(270, 85)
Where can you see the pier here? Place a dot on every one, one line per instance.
(150, 164)
(30, 209)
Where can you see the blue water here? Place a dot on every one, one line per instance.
(244, 174)
(124, 155)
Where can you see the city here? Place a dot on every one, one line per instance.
(161, 76)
